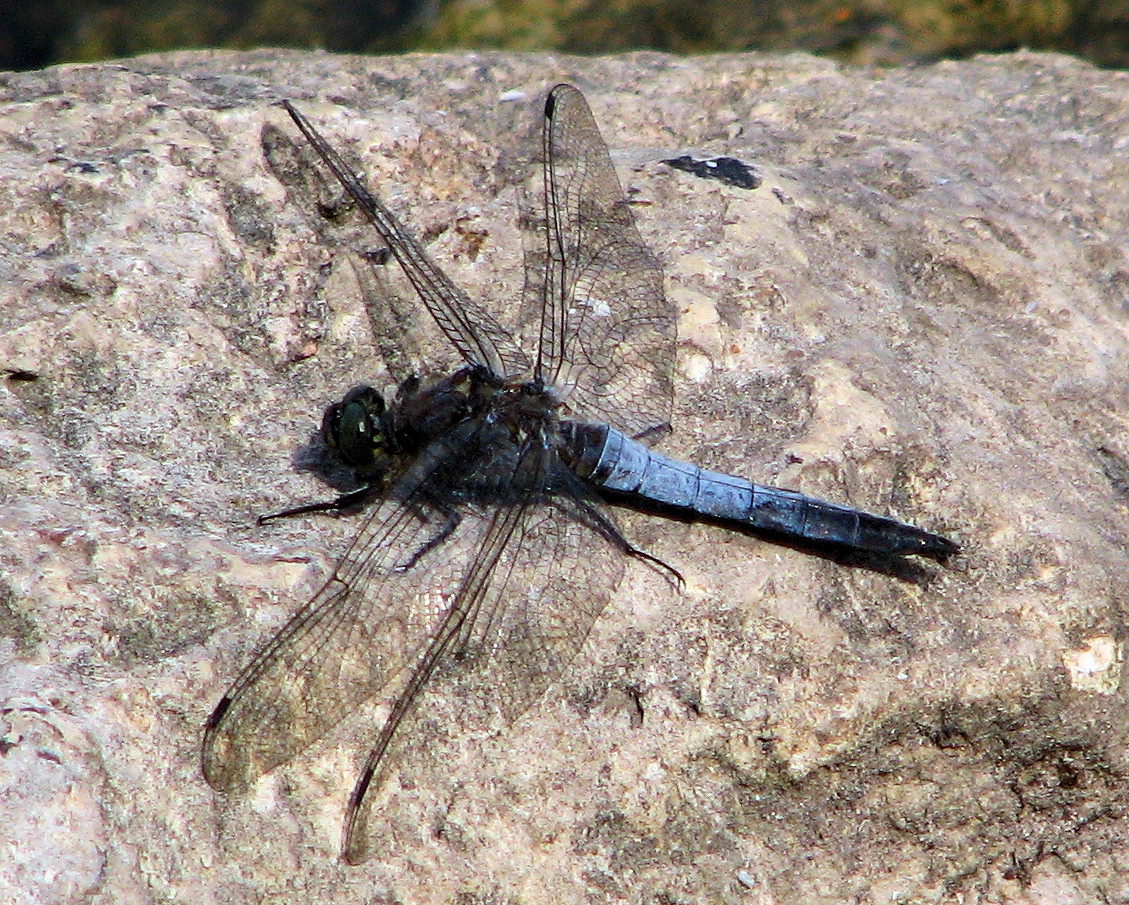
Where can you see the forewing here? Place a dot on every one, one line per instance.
(479, 338)
(543, 574)
(395, 319)
(374, 618)
(607, 333)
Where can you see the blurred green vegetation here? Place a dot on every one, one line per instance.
(42, 32)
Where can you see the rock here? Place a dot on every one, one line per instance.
(920, 311)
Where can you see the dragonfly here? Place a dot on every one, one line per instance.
(490, 545)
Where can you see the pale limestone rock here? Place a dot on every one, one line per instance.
(922, 311)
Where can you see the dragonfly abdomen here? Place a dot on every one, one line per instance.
(613, 461)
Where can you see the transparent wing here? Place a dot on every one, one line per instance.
(480, 339)
(545, 572)
(395, 319)
(371, 620)
(607, 333)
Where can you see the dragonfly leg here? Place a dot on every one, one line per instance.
(661, 564)
(599, 522)
(449, 526)
(345, 501)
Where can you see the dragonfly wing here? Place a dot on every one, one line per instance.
(372, 619)
(607, 333)
(395, 318)
(479, 338)
(544, 572)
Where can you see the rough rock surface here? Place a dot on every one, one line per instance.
(921, 311)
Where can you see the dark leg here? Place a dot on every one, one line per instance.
(345, 501)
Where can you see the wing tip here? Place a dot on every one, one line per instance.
(358, 846)
(217, 714)
(556, 93)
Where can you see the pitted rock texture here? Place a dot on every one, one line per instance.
(922, 310)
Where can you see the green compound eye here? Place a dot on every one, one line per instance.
(354, 428)
(356, 435)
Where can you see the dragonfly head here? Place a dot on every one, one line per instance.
(357, 428)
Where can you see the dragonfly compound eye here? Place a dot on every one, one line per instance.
(355, 428)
